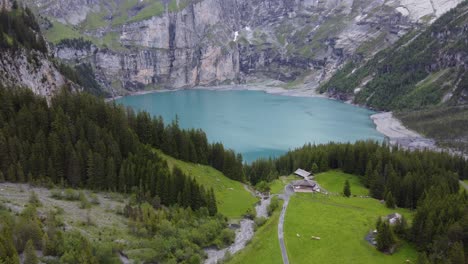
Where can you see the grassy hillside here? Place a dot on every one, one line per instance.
(342, 224)
(232, 197)
(264, 247)
(277, 186)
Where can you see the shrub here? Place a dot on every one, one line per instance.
(260, 221)
(56, 194)
(84, 203)
(227, 236)
(34, 199)
(71, 195)
(274, 204)
(94, 199)
(30, 256)
(250, 214)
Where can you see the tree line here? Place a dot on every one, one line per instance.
(188, 145)
(81, 141)
(406, 175)
(19, 28)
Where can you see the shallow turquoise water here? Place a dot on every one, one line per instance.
(258, 124)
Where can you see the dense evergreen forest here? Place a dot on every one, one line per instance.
(81, 141)
(424, 181)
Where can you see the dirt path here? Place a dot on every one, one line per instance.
(288, 191)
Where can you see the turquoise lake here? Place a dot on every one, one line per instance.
(257, 124)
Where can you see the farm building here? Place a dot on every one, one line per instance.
(305, 186)
(302, 173)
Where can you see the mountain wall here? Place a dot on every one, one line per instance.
(24, 59)
(184, 43)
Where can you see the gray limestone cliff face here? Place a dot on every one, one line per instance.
(31, 70)
(212, 42)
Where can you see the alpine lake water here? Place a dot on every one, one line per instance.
(257, 124)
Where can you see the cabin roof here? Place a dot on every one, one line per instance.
(304, 183)
(302, 173)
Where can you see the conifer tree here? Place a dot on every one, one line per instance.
(73, 171)
(314, 168)
(369, 174)
(385, 237)
(212, 207)
(30, 256)
(20, 173)
(389, 200)
(347, 189)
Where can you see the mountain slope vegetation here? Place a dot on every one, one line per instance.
(423, 69)
(423, 77)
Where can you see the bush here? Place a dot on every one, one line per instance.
(274, 204)
(30, 256)
(84, 203)
(250, 214)
(227, 236)
(71, 195)
(56, 194)
(34, 200)
(260, 221)
(59, 210)
(94, 199)
(262, 187)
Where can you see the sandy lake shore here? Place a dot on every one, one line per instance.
(397, 134)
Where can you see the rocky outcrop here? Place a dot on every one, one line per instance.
(5, 4)
(211, 42)
(32, 70)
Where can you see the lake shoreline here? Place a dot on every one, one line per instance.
(385, 122)
(300, 92)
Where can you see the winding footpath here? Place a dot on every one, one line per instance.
(288, 191)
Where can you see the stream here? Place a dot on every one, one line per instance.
(244, 233)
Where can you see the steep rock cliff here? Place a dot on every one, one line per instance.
(184, 43)
(24, 61)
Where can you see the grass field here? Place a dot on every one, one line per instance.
(333, 181)
(342, 224)
(277, 186)
(60, 31)
(233, 199)
(264, 247)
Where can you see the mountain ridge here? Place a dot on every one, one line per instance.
(145, 45)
